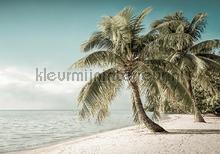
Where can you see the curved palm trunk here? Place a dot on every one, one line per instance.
(142, 116)
(197, 115)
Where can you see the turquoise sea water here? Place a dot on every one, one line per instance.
(20, 130)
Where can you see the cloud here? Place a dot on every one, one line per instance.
(20, 90)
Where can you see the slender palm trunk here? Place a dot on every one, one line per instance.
(142, 116)
(197, 114)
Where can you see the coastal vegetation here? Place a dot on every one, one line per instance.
(165, 65)
(178, 42)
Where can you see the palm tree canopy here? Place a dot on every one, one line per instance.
(119, 46)
(177, 42)
(178, 34)
(177, 23)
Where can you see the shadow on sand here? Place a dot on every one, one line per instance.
(193, 131)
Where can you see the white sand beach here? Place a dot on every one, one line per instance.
(185, 137)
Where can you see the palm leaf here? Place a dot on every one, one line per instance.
(211, 64)
(163, 64)
(126, 13)
(197, 25)
(175, 41)
(189, 64)
(98, 58)
(139, 19)
(165, 78)
(96, 95)
(210, 56)
(97, 40)
(178, 92)
(205, 46)
(102, 113)
(167, 20)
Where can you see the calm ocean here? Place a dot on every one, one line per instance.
(20, 130)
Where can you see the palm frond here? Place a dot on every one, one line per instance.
(180, 29)
(205, 46)
(164, 65)
(198, 25)
(152, 91)
(150, 84)
(175, 41)
(189, 64)
(150, 37)
(205, 83)
(102, 113)
(211, 64)
(173, 88)
(210, 56)
(96, 95)
(126, 13)
(97, 40)
(117, 27)
(176, 17)
(98, 58)
(139, 19)
(168, 80)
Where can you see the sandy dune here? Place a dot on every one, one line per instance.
(185, 137)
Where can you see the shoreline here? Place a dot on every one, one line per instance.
(46, 145)
(67, 141)
(181, 128)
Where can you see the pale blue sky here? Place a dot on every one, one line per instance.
(48, 33)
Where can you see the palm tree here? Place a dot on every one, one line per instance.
(177, 43)
(208, 102)
(118, 47)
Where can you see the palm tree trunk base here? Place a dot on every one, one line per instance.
(159, 131)
(142, 116)
(199, 118)
(154, 128)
